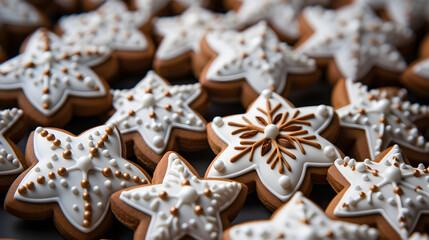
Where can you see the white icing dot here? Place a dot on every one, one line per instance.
(218, 121)
(100, 205)
(108, 184)
(284, 181)
(74, 190)
(75, 207)
(39, 129)
(113, 162)
(54, 157)
(96, 189)
(271, 131)
(157, 141)
(323, 111)
(51, 183)
(219, 165)
(49, 165)
(361, 167)
(106, 153)
(392, 174)
(329, 152)
(63, 183)
(123, 184)
(266, 93)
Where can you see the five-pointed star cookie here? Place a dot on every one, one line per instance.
(179, 203)
(258, 58)
(150, 113)
(387, 187)
(299, 218)
(73, 177)
(385, 119)
(355, 40)
(281, 15)
(19, 12)
(49, 77)
(283, 144)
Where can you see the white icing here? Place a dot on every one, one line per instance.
(111, 25)
(153, 6)
(409, 203)
(272, 173)
(67, 190)
(164, 224)
(398, 126)
(184, 32)
(300, 219)
(46, 52)
(356, 39)
(282, 15)
(19, 12)
(156, 131)
(9, 163)
(255, 55)
(422, 68)
(419, 236)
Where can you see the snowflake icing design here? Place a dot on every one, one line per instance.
(356, 39)
(79, 173)
(153, 108)
(256, 55)
(384, 119)
(49, 71)
(397, 191)
(183, 204)
(275, 139)
(300, 219)
(9, 163)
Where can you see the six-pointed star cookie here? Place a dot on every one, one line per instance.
(158, 117)
(256, 59)
(181, 37)
(50, 78)
(416, 77)
(355, 42)
(114, 26)
(384, 119)
(386, 192)
(284, 145)
(179, 203)
(299, 218)
(72, 178)
(281, 15)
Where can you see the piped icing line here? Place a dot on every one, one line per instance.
(184, 32)
(112, 25)
(19, 12)
(422, 68)
(154, 6)
(385, 119)
(9, 162)
(183, 204)
(397, 191)
(282, 15)
(255, 55)
(276, 140)
(79, 173)
(48, 72)
(153, 109)
(356, 39)
(300, 218)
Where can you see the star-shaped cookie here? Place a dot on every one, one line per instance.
(241, 64)
(114, 26)
(281, 15)
(179, 204)
(278, 146)
(157, 117)
(71, 179)
(50, 79)
(354, 43)
(299, 218)
(385, 192)
(376, 119)
(181, 36)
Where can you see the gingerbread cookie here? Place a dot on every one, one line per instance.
(275, 147)
(71, 179)
(114, 26)
(352, 42)
(181, 36)
(386, 193)
(52, 81)
(155, 117)
(179, 204)
(373, 120)
(281, 15)
(299, 218)
(12, 126)
(241, 64)
(416, 77)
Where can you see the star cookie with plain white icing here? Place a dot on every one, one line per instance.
(299, 218)
(248, 62)
(50, 79)
(386, 192)
(285, 146)
(158, 117)
(376, 119)
(71, 179)
(179, 204)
